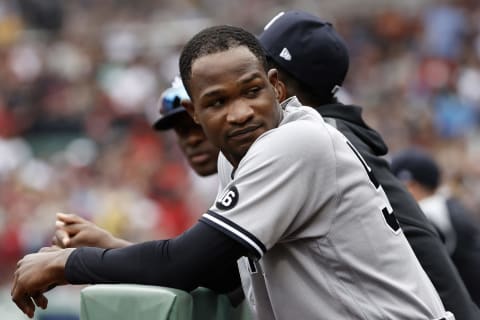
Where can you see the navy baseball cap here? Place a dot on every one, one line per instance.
(416, 165)
(170, 105)
(307, 48)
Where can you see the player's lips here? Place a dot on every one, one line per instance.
(242, 133)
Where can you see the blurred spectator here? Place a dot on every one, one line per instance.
(457, 227)
(453, 117)
(42, 14)
(445, 27)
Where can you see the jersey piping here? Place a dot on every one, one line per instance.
(235, 231)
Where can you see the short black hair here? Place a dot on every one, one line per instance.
(217, 39)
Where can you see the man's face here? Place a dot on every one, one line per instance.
(233, 100)
(201, 154)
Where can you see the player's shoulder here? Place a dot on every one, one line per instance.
(300, 125)
(294, 113)
(302, 131)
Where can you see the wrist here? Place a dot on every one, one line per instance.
(105, 240)
(119, 243)
(108, 241)
(58, 264)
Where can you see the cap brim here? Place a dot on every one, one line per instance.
(168, 122)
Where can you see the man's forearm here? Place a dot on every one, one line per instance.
(184, 262)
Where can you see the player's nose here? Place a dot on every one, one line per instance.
(240, 112)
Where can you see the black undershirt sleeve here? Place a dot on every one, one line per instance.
(202, 256)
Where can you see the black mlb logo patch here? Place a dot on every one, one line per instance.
(229, 199)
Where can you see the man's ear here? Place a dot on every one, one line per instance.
(281, 90)
(188, 105)
(278, 86)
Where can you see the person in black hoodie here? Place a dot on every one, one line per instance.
(312, 61)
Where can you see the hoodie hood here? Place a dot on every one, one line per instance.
(352, 117)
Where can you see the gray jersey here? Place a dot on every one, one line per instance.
(323, 241)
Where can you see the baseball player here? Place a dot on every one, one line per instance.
(313, 242)
(312, 61)
(74, 231)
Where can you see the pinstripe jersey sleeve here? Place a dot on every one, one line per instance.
(264, 201)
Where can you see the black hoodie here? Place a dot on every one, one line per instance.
(421, 235)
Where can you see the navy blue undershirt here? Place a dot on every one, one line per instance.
(202, 256)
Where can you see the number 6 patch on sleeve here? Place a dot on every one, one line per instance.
(229, 199)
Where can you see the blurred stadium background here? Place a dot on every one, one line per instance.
(79, 81)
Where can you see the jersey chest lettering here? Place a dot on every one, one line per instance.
(387, 211)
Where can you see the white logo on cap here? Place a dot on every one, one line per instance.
(285, 54)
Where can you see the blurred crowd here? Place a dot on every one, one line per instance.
(79, 82)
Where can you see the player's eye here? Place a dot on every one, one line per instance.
(216, 103)
(253, 92)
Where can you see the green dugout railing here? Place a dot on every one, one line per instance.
(137, 302)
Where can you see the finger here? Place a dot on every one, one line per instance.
(74, 227)
(29, 307)
(24, 302)
(40, 300)
(68, 218)
(59, 224)
(61, 238)
(56, 242)
(15, 278)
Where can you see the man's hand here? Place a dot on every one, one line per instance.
(36, 274)
(74, 231)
